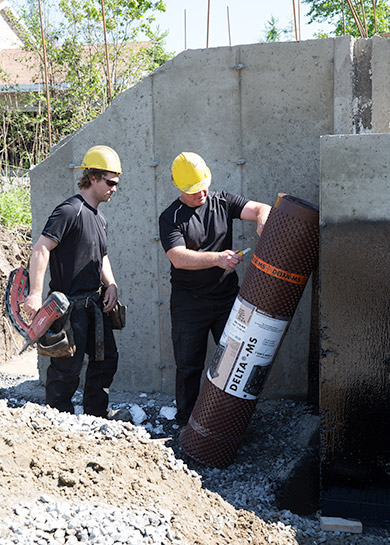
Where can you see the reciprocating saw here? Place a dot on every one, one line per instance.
(16, 292)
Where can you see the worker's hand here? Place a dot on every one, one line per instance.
(110, 298)
(229, 260)
(32, 304)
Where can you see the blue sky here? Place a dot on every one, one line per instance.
(248, 19)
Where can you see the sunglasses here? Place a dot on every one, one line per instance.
(109, 182)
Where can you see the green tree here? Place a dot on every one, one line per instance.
(273, 33)
(77, 67)
(331, 11)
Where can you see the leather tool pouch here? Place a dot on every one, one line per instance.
(58, 341)
(118, 316)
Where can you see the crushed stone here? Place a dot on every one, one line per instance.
(68, 479)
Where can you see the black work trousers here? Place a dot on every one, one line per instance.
(192, 320)
(63, 374)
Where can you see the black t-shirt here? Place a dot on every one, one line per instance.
(207, 228)
(81, 233)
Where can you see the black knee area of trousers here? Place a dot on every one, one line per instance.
(192, 319)
(63, 374)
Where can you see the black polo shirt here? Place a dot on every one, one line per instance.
(81, 233)
(205, 228)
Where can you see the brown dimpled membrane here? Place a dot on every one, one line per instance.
(285, 255)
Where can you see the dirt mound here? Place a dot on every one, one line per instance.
(38, 458)
(15, 251)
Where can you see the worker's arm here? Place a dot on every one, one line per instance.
(256, 211)
(38, 265)
(192, 260)
(111, 295)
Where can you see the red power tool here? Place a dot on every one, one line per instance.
(53, 308)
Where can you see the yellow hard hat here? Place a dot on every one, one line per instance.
(190, 173)
(102, 158)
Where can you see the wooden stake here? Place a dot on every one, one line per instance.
(373, 5)
(228, 23)
(45, 69)
(295, 21)
(107, 59)
(185, 29)
(208, 23)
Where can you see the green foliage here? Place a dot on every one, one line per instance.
(321, 35)
(15, 209)
(77, 68)
(332, 12)
(273, 33)
(24, 136)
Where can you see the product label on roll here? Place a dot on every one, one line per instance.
(246, 349)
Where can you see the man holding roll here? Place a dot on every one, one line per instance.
(196, 232)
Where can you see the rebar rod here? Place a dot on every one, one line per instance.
(295, 21)
(356, 18)
(299, 20)
(185, 29)
(228, 23)
(107, 58)
(208, 23)
(373, 5)
(364, 18)
(45, 70)
(343, 12)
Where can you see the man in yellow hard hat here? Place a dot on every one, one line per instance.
(196, 232)
(74, 242)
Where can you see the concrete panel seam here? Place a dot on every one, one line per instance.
(241, 161)
(342, 85)
(380, 84)
(362, 87)
(154, 164)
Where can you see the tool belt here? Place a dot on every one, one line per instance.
(58, 342)
(91, 301)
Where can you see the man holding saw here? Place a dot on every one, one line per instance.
(74, 243)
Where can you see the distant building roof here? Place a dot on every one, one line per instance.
(21, 68)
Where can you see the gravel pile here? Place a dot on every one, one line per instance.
(47, 521)
(240, 504)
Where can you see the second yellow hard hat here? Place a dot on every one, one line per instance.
(190, 173)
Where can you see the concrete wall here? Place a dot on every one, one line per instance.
(355, 323)
(256, 114)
